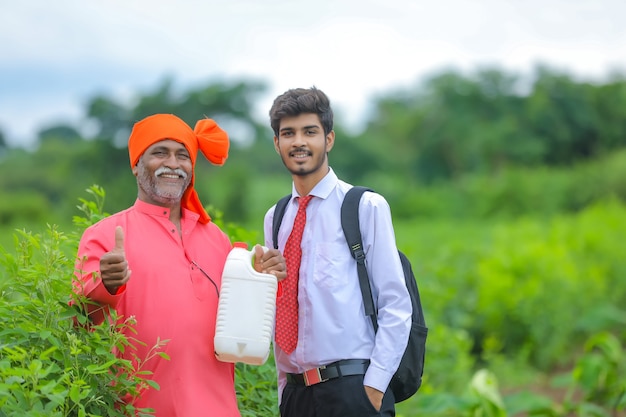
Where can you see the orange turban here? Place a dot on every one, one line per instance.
(206, 136)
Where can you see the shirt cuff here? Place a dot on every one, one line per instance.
(377, 378)
(103, 296)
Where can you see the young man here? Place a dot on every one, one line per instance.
(161, 261)
(339, 366)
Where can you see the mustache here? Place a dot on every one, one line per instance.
(165, 170)
(301, 149)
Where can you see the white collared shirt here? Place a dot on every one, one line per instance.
(332, 323)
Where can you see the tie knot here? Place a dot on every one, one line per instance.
(304, 201)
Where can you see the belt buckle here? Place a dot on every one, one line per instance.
(313, 376)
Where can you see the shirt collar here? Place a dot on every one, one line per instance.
(322, 189)
(158, 211)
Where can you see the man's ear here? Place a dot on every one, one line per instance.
(276, 145)
(330, 140)
(135, 170)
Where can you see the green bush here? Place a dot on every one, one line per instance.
(597, 385)
(53, 362)
(16, 207)
(534, 288)
(514, 192)
(594, 388)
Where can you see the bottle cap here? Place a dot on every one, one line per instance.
(243, 245)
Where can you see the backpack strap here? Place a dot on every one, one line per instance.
(352, 231)
(279, 213)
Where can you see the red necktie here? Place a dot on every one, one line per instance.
(287, 303)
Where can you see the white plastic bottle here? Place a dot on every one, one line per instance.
(246, 310)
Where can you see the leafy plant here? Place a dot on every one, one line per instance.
(256, 387)
(53, 361)
(599, 378)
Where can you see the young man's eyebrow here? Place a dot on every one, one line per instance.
(289, 128)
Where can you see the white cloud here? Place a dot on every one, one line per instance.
(57, 54)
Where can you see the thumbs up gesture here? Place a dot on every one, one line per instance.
(113, 266)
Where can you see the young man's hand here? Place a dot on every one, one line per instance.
(270, 261)
(375, 396)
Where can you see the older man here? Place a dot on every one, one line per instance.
(161, 261)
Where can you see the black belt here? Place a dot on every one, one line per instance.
(330, 371)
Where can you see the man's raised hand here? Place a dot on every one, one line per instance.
(113, 266)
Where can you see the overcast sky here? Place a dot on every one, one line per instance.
(55, 55)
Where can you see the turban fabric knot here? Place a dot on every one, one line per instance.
(207, 137)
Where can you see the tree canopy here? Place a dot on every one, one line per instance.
(449, 126)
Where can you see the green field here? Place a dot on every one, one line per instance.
(525, 315)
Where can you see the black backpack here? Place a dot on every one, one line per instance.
(408, 377)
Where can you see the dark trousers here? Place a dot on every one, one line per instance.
(339, 397)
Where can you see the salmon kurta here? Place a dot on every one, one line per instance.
(173, 295)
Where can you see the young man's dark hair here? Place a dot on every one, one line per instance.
(298, 101)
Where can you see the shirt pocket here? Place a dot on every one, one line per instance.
(204, 286)
(331, 264)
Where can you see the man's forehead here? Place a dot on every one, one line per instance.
(167, 144)
(304, 120)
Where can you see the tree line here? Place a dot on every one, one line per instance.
(443, 129)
